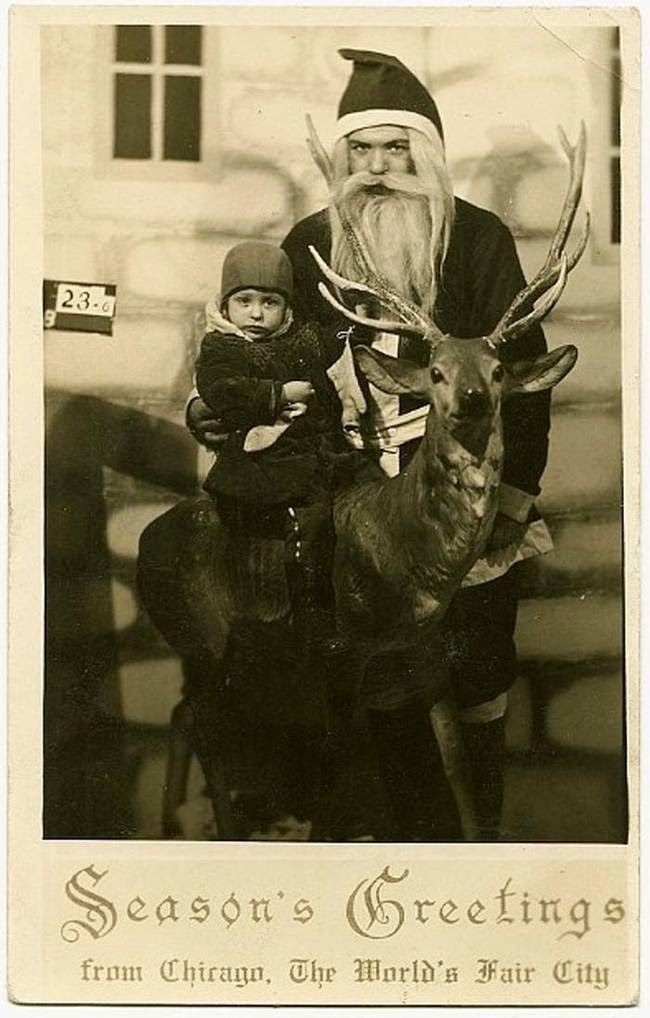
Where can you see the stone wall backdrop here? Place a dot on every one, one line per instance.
(117, 451)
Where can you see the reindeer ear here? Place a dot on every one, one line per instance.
(390, 374)
(542, 372)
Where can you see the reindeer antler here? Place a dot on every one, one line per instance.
(408, 317)
(551, 278)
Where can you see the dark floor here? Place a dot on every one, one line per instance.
(553, 793)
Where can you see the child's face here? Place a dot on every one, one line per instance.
(255, 312)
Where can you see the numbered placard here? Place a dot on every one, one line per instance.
(79, 307)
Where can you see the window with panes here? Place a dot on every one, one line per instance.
(157, 92)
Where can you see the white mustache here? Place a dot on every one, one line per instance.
(406, 183)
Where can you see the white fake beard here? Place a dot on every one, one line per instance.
(397, 229)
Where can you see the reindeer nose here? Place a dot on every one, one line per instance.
(473, 403)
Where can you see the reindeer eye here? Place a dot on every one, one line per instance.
(436, 375)
(498, 373)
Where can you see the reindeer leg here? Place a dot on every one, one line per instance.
(447, 731)
(484, 749)
(337, 811)
(214, 770)
(204, 695)
(216, 780)
(178, 766)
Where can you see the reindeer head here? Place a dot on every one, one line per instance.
(465, 380)
(465, 383)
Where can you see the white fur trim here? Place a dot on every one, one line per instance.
(535, 540)
(262, 436)
(379, 118)
(343, 375)
(514, 503)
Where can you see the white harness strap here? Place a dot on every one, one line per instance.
(392, 428)
(385, 408)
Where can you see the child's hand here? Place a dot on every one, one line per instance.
(290, 411)
(296, 392)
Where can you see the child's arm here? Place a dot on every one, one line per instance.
(225, 381)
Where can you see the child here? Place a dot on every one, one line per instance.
(265, 379)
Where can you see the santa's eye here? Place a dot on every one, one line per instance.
(498, 373)
(436, 376)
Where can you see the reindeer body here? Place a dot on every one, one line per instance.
(395, 571)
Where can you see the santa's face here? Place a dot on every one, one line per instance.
(379, 150)
(393, 185)
(389, 205)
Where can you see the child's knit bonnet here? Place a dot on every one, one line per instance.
(256, 265)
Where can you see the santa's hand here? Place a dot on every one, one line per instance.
(205, 426)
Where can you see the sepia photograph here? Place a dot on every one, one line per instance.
(334, 462)
(250, 617)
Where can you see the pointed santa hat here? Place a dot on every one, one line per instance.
(381, 90)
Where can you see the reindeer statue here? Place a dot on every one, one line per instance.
(404, 543)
